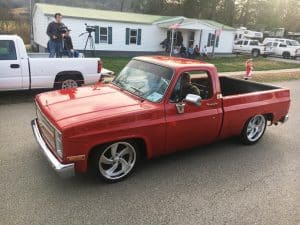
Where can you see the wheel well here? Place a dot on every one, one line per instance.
(286, 53)
(69, 73)
(269, 117)
(139, 141)
(255, 49)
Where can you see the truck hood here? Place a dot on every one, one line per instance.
(76, 105)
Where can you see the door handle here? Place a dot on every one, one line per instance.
(213, 104)
(14, 66)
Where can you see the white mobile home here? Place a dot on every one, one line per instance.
(131, 32)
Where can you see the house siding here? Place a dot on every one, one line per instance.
(151, 35)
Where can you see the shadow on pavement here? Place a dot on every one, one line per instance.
(15, 97)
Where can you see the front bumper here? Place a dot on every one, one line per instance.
(63, 170)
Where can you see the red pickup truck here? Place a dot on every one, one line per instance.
(156, 105)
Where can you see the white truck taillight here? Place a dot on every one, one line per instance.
(99, 66)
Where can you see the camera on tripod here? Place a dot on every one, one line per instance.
(89, 28)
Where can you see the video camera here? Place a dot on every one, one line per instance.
(89, 28)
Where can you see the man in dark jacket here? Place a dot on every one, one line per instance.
(56, 35)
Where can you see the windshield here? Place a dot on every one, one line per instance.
(292, 43)
(146, 80)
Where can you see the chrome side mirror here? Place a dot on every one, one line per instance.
(180, 107)
(194, 99)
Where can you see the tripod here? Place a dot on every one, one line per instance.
(90, 41)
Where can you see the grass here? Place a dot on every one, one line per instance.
(275, 77)
(223, 64)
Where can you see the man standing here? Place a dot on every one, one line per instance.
(56, 36)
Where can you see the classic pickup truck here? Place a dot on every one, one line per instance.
(19, 71)
(150, 110)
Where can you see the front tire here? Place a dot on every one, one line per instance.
(116, 161)
(253, 130)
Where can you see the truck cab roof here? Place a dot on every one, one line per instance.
(174, 62)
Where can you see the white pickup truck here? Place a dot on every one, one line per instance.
(253, 47)
(284, 49)
(18, 71)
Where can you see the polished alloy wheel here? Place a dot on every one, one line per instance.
(69, 84)
(256, 127)
(117, 160)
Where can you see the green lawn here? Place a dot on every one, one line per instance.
(223, 64)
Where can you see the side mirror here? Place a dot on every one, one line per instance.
(194, 99)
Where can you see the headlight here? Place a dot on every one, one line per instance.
(58, 143)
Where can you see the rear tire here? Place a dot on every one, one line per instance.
(255, 53)
(115, 161)
(67, 82)
(254, 129)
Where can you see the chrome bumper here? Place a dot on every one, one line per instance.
(63, 170)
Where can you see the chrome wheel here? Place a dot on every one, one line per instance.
(69, 84)
(117, 160)
(255, 128)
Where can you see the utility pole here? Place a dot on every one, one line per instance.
(213, 49)
(31, 21)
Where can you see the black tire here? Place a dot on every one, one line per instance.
(286, 55)
(96, 168)
(245, 139)
(63, 78)
(255, 53)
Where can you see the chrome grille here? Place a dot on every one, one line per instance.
(47, 130)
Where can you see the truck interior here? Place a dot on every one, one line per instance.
(232, 86)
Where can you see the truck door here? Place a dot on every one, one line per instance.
(10, 69)
(197, 125)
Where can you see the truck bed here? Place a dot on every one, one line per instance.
(231, 86)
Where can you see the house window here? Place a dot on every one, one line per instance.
(211, 40)
(133, 36)
(103, 34)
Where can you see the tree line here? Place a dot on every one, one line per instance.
(253, 14)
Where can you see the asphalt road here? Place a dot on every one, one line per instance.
(224, 183)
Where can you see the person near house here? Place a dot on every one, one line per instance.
(205, 52)
(56, 35)
(165, 44)
(187, 87)
(249, 69)
(190, 52)
(68, 46)
(197, 51)
(183, 52)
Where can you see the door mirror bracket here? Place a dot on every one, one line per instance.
(190, 98)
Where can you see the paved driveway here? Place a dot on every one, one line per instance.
(224, 183)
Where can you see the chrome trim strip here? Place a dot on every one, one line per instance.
(63, 170)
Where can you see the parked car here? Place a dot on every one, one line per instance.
(289, 42)
(19, 71)
(253, 47)
(283, 50)
(109, 128)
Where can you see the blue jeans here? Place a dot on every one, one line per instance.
(55, 49)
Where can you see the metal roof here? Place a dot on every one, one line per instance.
(126, 17)
(97, 14)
